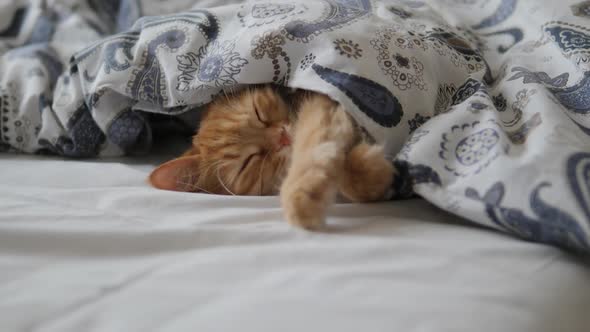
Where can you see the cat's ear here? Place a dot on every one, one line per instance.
(180, 174)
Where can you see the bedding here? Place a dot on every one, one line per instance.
(482, 105)
(88, 246)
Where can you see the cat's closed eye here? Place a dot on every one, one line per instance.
(260, 118)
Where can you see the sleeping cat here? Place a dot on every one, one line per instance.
(255, 142)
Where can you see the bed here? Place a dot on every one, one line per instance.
(93, 248)
(485, 115)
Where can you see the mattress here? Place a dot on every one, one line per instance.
(89, 246)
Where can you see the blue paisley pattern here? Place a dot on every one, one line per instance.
(338, 13)
(578, 173)
(475, 147)
(371, 98)
(575, 98)
(468, 89)
(147, 83)
(504, 11)
(468, 150)
(570, 38)
(549, 225)
(484, 111)
(409, 175)
(539, 77)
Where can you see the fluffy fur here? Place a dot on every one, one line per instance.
(255, 143)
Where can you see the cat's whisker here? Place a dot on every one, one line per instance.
(234, 178)
(223, 184)
(193, 186)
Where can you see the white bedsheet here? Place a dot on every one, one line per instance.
(89, 246)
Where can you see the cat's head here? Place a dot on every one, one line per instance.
(242, 147)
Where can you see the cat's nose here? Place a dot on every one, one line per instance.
(284, 139)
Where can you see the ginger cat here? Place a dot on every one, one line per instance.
(255, 143)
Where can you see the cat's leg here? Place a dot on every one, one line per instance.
(367, 174)
(324, 134)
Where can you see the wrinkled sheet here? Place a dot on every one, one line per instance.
(89, 246)
(483, 105)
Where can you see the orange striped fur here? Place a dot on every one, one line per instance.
(255, 143)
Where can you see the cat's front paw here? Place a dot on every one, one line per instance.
(300, 211)
(368, 175)
(306, 198)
